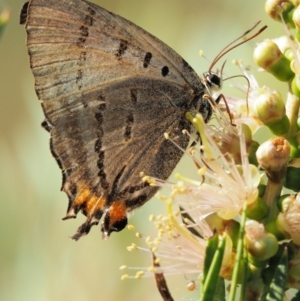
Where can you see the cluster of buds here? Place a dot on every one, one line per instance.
(236, 222)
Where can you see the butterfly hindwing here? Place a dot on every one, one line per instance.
(109, 92)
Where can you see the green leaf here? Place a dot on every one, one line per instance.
(220, 290)
(210, 251)
(210, 283)
(279, 282)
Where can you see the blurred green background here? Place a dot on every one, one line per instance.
(38, 260)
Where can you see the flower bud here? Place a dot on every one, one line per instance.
(296, 17)
(296, 85)
(283, 202)
(272, 227)
(257, 210)
(273, 156)
(215, 222)
(232, 229)
(260, 244)
(252, 149)
(298, 122)
(268, 56)
(297, 31)
(295, 147)
(261, 189)
(289, 219)
(277, 8)
(270, 108)
(285, 45)
(232, 145)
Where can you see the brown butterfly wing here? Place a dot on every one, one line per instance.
(109, 92)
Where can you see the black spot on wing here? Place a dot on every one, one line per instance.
(82, 58)
(122, 48)
(84, 33)
(165, 71)
(84, 29)
(133, 95)
(88, 19)
(79, 79)
(128, 128)
(147, 59)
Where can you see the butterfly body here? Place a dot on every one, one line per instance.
(109, 91)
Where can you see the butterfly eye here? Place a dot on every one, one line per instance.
(213, 81)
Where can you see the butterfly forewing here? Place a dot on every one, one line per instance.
(109, 92)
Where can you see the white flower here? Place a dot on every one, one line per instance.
(224, 186)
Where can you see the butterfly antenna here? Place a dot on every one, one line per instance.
(222, 68)
(248, 88)
(227, 48)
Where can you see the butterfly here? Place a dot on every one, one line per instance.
(109, 92)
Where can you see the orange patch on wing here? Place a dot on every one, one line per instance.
(83, 196)
(86, 196)
(117, 211)
(94, 203)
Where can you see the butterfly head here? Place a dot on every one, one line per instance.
(213, 81)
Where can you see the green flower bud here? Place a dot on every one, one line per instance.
(298, 122)
(220, 225)
(296, 19)
(270, 108)
(232, 229)
(296, 85)
(260, 244)
(277, 8)
(284, 44)
(251, 145)
(268, 56)
(261, 189)
(255, 265)
(295, 147)
(257, 210)
(251, 149)
(297, 34)
(283, 202)
(272, 227)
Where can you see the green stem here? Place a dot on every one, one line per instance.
(239, 257)
(271, 195)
